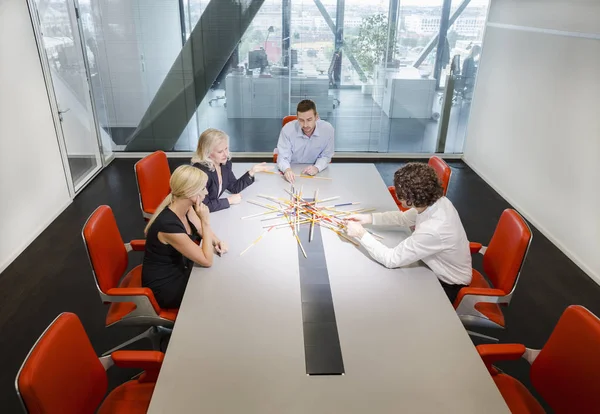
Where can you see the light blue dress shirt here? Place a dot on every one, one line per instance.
(294, 147)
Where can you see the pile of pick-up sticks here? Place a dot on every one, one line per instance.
(297, 211)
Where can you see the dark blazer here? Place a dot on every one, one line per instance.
(230, 183)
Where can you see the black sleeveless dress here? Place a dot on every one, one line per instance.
(165, 270)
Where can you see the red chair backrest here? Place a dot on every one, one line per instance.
(287, 119)
(62, 373)
(105, 247)
(392, 191)
(566, 373)
(153, 175)
(506, 252)
(442, 170)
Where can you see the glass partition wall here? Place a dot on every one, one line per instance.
(66, 70)
(162, 71)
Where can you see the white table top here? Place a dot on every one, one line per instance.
(237, 345)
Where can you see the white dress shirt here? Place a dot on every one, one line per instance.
(294, 147)
(439, 240)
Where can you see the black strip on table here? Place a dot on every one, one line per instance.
(322, 349)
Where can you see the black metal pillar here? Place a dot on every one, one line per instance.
(182, 22)
(442, 54)
(331, 25)
(339, 40)
(393, 13)
(461, 7)
(286, 18)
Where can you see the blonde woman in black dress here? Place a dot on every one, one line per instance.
(177, 236)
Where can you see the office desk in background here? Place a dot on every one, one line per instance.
(403, 93)
(238, 344)
(269, 97)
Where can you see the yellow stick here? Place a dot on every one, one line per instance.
(312, 202)
(278, 201)
(298, 209)
(374, 234)
(270, 207)
(312, 224)
(256, 241)
(281, 225)
(260, 214)
(299, 175)
(273, 218)
(315, 177)
(326, 199)
(300, 244)
(362, 210)
(354, 242)
(295, 235)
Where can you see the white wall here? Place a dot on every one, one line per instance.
(139, 42)
(534, 131)
(32, 180)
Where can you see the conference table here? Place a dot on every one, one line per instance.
(244, 340)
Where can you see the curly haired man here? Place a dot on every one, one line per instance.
(439, 239)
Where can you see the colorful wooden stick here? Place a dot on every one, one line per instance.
(257, 240)
(312, 224)
(315, 177)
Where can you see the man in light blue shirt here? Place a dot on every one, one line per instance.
(307, 140)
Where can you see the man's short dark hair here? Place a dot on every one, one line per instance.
(417, 184)
(306, 105)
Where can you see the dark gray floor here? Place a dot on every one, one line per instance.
(53, 274)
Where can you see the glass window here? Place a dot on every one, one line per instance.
(371, 78)
(465, 38)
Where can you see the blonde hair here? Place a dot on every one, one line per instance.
(206, 144)
(186, 182)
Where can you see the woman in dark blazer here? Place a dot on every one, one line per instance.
(212, 157)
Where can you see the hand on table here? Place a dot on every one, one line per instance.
(354, 229)
(262, 167)
(310, 170)
(234, 199)
(221, 247)
(361, 218)
(289, 175)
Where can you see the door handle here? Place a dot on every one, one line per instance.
(60, 113)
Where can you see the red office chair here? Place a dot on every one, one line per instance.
(478, 304)
(392, 191)
(443, 172)
(285, 120)
(152, 175)
(565, 372)
(131, 304)
(63, 375)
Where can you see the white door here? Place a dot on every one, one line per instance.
(61, 41)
